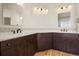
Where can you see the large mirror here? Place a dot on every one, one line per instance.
(66, 16)
(64, 19)
(12, 14)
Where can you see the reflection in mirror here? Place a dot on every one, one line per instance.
(64, 19)
(7, 21)
(12, 14)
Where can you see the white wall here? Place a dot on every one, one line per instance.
(9, 10)
(73, 17)
(31, 20)
(0, 14)
(49, 21)
(77, 10)
(13, 11)
(77, 16)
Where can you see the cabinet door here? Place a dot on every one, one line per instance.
(0, 48)
(72, 43)
(7, 48)
(66, 42)
(31, 47)
(59, 42)
(20, 46)
(31, 40)
(14, 47)
(44, 41)
(26, 45)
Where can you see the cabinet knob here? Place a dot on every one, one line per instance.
(8, 44)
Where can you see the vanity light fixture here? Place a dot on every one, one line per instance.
(69, 6)
(64, 8)
(39, 10)
(46, 10)
(35, 8)
(59, 9)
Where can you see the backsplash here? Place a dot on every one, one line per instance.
(7, 28)
(10, 28)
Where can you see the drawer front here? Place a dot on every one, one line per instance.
(7, 48)
(7, 44)
(44, 41)
(26, 45)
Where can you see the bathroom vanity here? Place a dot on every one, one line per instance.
(19, 46)
(28, 45)
(67, 42)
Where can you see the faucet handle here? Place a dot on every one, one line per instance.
(13, 31)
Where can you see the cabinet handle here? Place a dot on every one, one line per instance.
(8, 44)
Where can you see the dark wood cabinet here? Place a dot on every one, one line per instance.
(67, 42)
(31, 41)
(0, 48)
(44, 41)
(72, 43)
(22, 46)
(28, 45)
(58, 42)
(7, 47)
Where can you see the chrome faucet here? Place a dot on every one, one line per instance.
(16, 30)
(13, 31)
(64, 30)
(19, 30)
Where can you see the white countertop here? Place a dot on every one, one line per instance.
(9, 35)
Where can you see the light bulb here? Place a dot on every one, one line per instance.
(46, 10)
(35, 8)
(58, 9)
(39, 9)
(69, 6)
(64, 8)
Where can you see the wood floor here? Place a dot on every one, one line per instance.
(52, 53)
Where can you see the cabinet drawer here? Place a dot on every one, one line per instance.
(7, 44)
(7, 48)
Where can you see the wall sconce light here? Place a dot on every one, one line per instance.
(64, 8)
(59, 9)
(69, 6)
(39, 10)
